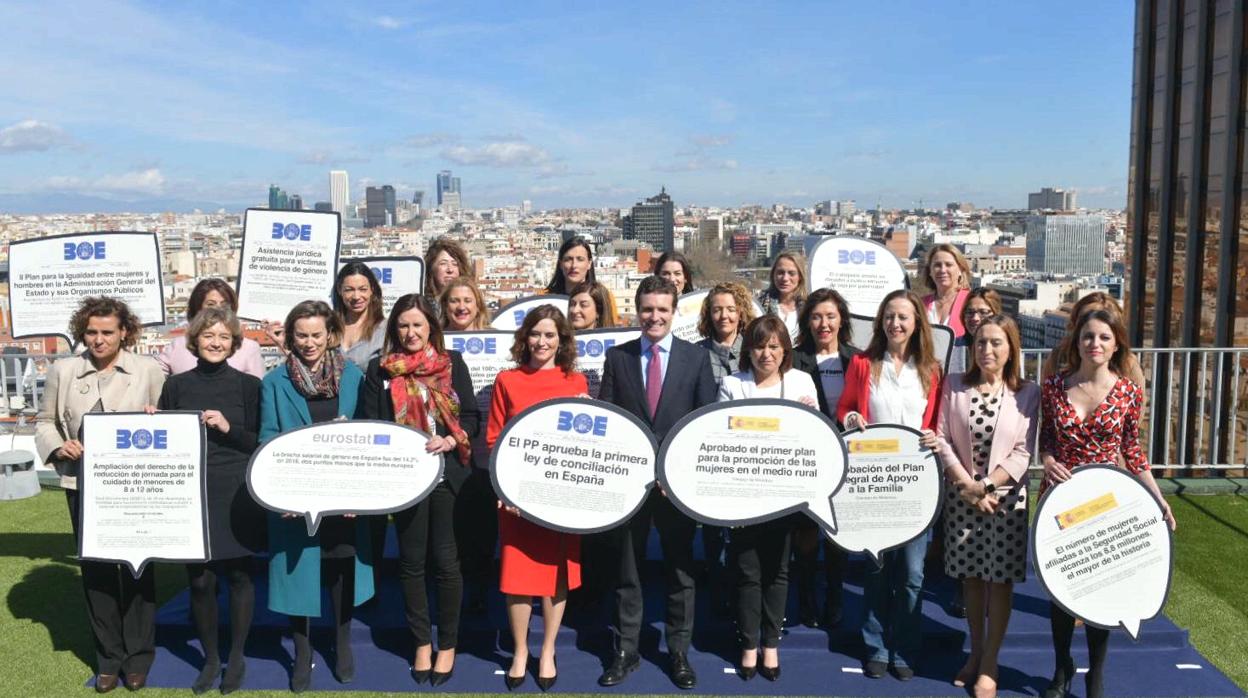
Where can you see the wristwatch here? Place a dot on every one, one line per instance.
(989, 486)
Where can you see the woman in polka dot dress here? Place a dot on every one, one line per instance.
(988, 421)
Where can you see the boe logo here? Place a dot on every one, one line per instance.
(384, 275)
(519, 316)
(582, 423)
(593, 347)
(292, 231)
(84, 250)
(142, 439)
(474, 345)
(855, 257)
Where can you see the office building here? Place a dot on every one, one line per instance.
(295, 202)
(379, 206)
(1186, 258)
(418, 201)
(339, 191)
(1066, 244)
(711, 230)
(448, 185)
(323, 207)
(277, 198)
(653, 222)
(1050, 199)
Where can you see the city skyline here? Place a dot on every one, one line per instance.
(133, 102)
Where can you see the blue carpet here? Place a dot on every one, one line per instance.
(814, 661)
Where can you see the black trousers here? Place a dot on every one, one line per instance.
(676, 532)
(428, 530)
(760, 556)
(476, 530)
(120, 608)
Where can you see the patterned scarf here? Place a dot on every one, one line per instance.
(420, 385)
(323, 383)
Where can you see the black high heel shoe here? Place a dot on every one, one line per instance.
(768, 672)
(514, 682)
(548, 682)
(1059, 687)
(421, 675)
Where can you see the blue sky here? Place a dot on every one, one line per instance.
(569, 104)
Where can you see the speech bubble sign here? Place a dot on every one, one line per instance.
(861, 270)
(142, 488)
(749, 461)
(343, 467)
(287, 257)
(574, 465)
(892, 490)
(942, 339)
(49, 276)
(1102, 549)
(397, 276)
(591, 351)
(511, 316)
(486, 353)
(689, 311)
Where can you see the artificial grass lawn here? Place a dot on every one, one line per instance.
(46, 649)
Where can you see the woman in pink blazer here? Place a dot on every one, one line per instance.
(987, 425)
(948, 275)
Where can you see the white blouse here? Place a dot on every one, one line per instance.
(898, 397)
(794, 385)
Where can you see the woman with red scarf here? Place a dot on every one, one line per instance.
(418, 383)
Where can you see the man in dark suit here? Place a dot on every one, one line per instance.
(659, 378)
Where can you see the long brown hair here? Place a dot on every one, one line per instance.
(565, 357)
(1122, 355)
(1095, 300)
(799, 293)
(921, 348)
(602, 302)
(1012, 374)
(413, 301)
(457, 253)
(376, 312)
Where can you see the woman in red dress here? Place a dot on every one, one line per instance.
(1091, 414)
(536, 561)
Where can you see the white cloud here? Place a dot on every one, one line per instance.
(710, 140)
(31, 135)
(149, 182)
(498, 154)
(697, 164)
(388, 22)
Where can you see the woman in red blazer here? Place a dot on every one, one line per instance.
(988, 421)
(896, 381)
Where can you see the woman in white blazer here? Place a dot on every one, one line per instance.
(107, 377)
(761, 551)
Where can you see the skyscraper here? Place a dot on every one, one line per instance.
(277, 198)
(295, 202)
(1187, 252)
(339, 191)
(652, 222)
(380, 206)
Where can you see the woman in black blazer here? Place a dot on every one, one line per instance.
(418, 383)
(823, 351)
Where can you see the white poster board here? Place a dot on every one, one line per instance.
(397, 276)
(49, 277)
(574, 465)
(749, 461)
(288, 257)
(942, 339)
(1102, 549)
(591, 351)
(142, 488)
(861, 270)
(486, 353)
(511, 316)
(343, 467)
(892, 490)
(689, 311)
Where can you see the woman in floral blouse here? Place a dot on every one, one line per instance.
(1091, 415)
